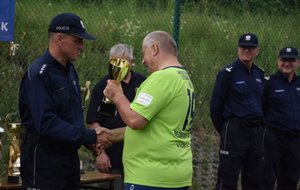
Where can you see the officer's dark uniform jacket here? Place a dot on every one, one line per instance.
(115, 151)
(282, 102)
(237, 93)
(50, 104)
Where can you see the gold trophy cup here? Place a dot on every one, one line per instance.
(13, 131)
(118, 70)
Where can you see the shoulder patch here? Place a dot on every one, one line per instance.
(144, 99)
(229, 69)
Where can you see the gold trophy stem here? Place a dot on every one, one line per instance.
(119, 70)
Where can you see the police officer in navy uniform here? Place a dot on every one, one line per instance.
(51, 111)
(236, 112)
(282, 121)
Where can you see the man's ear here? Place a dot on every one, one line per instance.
(257, 51)
(155, 49)
(59, 38)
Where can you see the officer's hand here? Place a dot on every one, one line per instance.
(103, 162)
(104, 138)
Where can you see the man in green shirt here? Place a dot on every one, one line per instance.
(157, 148)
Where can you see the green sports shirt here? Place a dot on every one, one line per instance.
(159, 155)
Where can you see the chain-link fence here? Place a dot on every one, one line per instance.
(208, 34)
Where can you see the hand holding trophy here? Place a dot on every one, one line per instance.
(118, 70)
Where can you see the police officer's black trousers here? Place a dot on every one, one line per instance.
(48, 165)
(282, 155)
(240, 152)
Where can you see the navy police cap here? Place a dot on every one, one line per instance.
(69, 23)
(289, 52)
(248, 40)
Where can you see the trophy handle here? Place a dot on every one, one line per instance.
(85, 93)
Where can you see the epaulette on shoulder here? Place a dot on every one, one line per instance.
(270, 77)
(42, 69)
(229, 69)
(260, 68)
(37, 69)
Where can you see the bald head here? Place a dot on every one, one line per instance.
(123, 51)
(164, 41)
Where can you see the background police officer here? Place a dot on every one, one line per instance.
(282, 119)
(236, 111)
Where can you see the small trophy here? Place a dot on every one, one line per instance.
(13, 132)
(118, 70)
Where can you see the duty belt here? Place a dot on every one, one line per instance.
(292, 132)
(252, 122)
(34, 139)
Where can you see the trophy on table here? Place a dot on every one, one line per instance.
(13, 131)
(118, 69)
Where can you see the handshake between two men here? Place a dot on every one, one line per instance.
(105, 138)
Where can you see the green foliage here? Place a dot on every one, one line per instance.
(217, 7)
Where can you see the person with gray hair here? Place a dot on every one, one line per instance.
(157, 143)
(110, 160)
(236, 112)
(122, 51)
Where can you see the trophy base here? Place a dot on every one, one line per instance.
(107, 109)
(13, 179)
